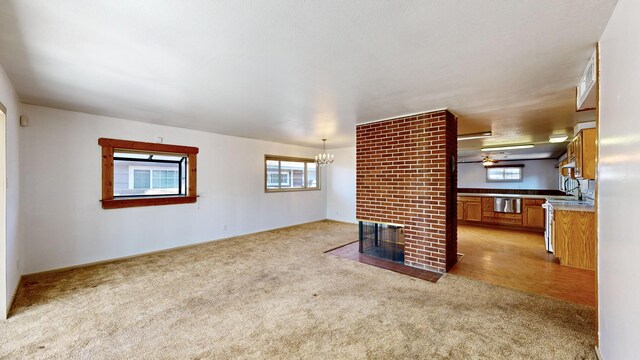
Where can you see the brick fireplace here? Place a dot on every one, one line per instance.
(406, 174)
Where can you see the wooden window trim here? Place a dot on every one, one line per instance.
(109, 146)
(291, 158)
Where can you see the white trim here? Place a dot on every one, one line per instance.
(405, 115)
(598, 354)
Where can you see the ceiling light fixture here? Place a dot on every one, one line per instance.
(487, 161)
(324, 158)
(479, 135)
(510, 147)
(558, 138)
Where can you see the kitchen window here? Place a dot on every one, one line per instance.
(145, 174)
(283, 173)
(504, 173)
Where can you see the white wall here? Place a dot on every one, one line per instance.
(618, 178)
(63, 221)
(341, 186)
(537, 175)
(13, 247)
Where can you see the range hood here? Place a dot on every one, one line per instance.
(570, 165)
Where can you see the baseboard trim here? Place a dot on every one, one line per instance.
(128, 257)
(342, 222)
(13, 298)
(598, 355)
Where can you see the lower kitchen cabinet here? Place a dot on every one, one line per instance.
(473, 211)
(469, 208)
(502, 219)
(574, 238)
(533, 215)
(479, 210)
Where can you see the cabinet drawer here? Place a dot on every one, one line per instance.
(509, 216)
(487, 206)
(517, 222)
(487, 200)
(469, 198)
(488, 214)
(534, 202)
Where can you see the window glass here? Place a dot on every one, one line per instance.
(141, 179)
(312, 175)
(504, 174)
(272, 174)
(290, 174)
(143, 174)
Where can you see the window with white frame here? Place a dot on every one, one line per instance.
(505, 173)
(287, 173)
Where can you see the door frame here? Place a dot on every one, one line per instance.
(3, 211)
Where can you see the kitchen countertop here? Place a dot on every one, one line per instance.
(548, 197)
(571, 207)
(585, 207)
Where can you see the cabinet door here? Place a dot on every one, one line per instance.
(577, 148)
(460, 210)
(589, 149)
(570, 151)
(473, 211)
(533, 217)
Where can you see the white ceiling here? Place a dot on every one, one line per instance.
(298, 71)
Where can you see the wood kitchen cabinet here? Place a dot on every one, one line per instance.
(582, 150)
(563, 171)
(471, 208)
(574, 238)
(533, 215)
(473, 211)
(479, 211)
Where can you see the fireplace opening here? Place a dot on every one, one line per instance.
(384, 241)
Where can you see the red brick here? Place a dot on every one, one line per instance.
(402, 177)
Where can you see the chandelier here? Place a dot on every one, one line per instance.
(324, 158)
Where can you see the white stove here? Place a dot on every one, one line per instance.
(548, 230)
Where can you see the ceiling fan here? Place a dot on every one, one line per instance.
(488, 161)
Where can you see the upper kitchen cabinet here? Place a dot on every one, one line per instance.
(582, 151)
(563, 171)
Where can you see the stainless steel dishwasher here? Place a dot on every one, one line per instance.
(507, 205)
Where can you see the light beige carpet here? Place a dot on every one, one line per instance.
(277, 295)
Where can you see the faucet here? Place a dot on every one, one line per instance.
(577, 187)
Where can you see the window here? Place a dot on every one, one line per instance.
(288, 174)
(148, 174)
(144, 174)
(506, 173)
